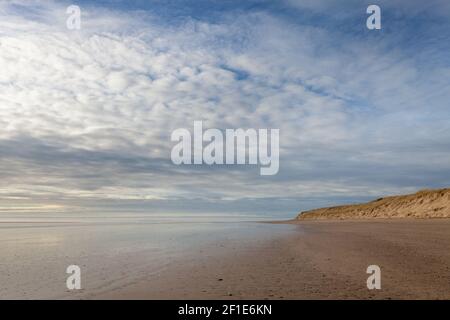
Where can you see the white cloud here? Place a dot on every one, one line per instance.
(88, 114)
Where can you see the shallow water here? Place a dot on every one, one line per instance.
(112, 251)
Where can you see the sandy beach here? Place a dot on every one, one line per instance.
(320, 260)
(161, 259)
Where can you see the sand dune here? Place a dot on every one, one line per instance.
(423, 204)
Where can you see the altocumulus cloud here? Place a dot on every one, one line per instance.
(86, 116)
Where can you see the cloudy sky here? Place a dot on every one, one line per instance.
(86, 115)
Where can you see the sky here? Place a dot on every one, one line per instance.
(86, 115)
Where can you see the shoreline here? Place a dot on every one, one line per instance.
(317, 260)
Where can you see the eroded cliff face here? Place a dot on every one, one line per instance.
(423, 204)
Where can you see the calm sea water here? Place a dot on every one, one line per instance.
(112, 250)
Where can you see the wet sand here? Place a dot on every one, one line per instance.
(115, 253)
(318, 260)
